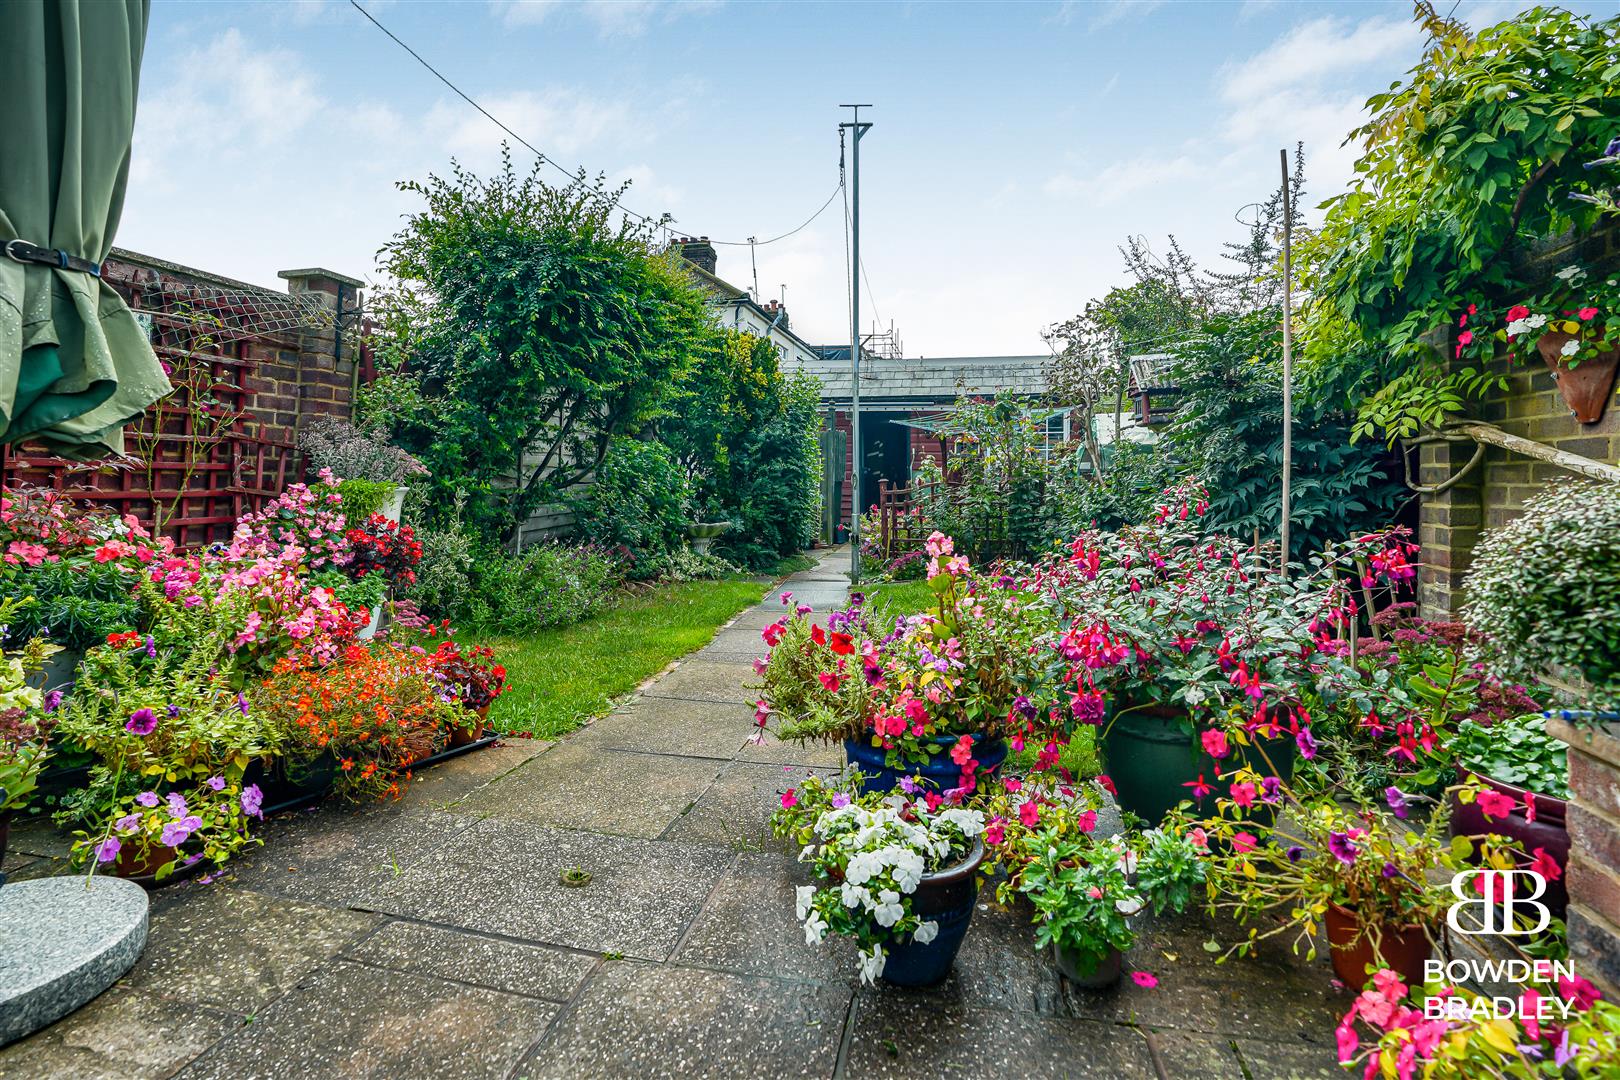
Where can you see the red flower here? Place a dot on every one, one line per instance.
(818, 635)
(1517, 312)
(1494, 804)
(1200, 787)
(842, 644)
(1545, 865)
(1587, 313)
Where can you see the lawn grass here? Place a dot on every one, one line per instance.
(561, 678)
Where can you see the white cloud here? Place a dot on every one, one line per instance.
(1313, 52)
(559, 122)
(227, 97)
(1104, 13)
(1114, 183)
(613, 18)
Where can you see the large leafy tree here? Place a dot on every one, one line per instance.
(527, 325)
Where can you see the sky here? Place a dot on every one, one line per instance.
(1015, 145)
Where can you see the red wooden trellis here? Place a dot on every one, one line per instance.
(201, 458)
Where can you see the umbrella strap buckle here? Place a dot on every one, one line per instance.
(24, 252)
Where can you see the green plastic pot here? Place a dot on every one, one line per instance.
(1152, 758)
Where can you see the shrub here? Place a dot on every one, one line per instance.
(443, 583)
(357, 454)
(75, 605)
(639, 502)
(1546, 586)
(545, 586)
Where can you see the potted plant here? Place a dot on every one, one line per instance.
(25, 724)
(381, 550)
(897, 875)
(370, 474)
(937, 696)
(1571, 328)
(1193, 654)
(151, 837)
(1042, 832)
(1516, 785)
(474, 681)
(1354, 874)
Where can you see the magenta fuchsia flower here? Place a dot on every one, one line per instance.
(142, 722)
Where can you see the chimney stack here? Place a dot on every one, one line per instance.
(699, 252)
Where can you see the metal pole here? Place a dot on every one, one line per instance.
(857, 129)
(1288, 360)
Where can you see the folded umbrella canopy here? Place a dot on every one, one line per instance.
(75, 366)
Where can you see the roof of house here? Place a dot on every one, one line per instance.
(934, 378)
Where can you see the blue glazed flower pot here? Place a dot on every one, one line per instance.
(940, 774)
(946, 897)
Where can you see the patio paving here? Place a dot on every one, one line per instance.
(435, 938)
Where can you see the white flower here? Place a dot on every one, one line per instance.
(872, 964)
(1128, 905)
(926, 932)
(888, 910)
(1568, 273)
(971, 822)
(855, 896)
(806, 852)
(1535, 322)
(815, 929)
(1127, 862)
(805, 896)
(1571, 347)
(1517, 327)
(908, 871)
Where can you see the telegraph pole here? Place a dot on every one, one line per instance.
(1288, 359)
(858, 129)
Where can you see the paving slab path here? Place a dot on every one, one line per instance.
(436, 937)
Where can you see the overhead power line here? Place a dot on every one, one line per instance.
(539, 154)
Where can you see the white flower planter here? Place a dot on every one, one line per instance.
(395, 504)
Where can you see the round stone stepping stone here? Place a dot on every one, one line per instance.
(61, 944)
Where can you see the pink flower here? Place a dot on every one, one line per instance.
(1545, 865)
(1094, 892)
(1348, 1042)
(1199, 838)
(1087, 822)
(790, 799)
(1243, 842)
(1215, 744)
(1243, 794)
(995, 832)
(1146, 980)
(1587, 313)
(830, 682)
(1494, 804)
(1029, 813)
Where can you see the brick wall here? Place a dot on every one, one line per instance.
(1450, 523)
(274, 360)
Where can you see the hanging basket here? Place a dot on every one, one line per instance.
(1586, 387)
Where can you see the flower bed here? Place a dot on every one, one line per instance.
(227, 669)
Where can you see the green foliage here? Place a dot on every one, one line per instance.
(747, 436)
(529, 326)
(639, 501)
(1546, 586)
(1517, 751)
(362, 498)
(551, 585)
(443, 583)
(1470, 157)
(1134, 476)
(75, 604)
(1228, 431)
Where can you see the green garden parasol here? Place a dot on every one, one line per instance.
(75, 367)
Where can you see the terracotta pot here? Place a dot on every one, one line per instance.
(1401, 948)
(130, 865)
(1585, 387)
(465, 736)
(1548, 831)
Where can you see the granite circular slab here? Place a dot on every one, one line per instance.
(62, 943)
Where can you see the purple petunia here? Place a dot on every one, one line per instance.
(1295, 853)
(107, 850)
(128, 823)
(908, 785)
(176, 833)
(840, 801)
(1342, 847)
(142, 722)
(1391, 870)
(1271, 790)
(177, 804)
(53, 698)
(1397, 800)
(151, 647)
(242, 703)
(216, 783)
(148, 798)
(174, 711)
(252, 800)
(1307, 743)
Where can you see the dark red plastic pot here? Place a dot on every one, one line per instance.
(1549, 831)
(1403, 948)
